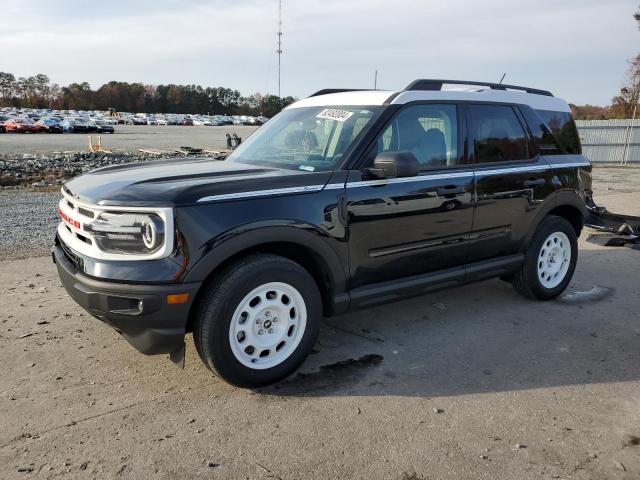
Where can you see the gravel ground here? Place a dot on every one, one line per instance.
(27, 222)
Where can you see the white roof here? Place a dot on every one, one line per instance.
(365, 97)
(379, 97)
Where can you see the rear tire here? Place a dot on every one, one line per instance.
(258, 320)
(550, 260)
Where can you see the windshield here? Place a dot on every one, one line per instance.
(309, 138)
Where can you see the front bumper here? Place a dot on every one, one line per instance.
(139, 312)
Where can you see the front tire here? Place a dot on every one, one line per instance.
(258, 320)
(550, 260)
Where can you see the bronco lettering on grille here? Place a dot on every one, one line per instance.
(68, 219)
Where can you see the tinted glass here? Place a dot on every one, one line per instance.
(499, 134)
(564, 129)
(542, 134)
(308, 138)
(430, 132)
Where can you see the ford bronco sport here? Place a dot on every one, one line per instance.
(344, 200)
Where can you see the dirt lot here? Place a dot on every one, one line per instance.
(127, 138)
(474, 383)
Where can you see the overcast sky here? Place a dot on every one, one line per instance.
(576, 48)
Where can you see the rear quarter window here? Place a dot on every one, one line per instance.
(564, 130)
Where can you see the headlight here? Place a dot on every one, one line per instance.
(133, 233)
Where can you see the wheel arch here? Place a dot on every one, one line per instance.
(568, 205)
(304, 246)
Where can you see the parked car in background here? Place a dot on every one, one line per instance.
(3, 118)
(49, 125)
(20, 125)
(72, 125)
(81, 121)
(104, 126)
(90, 124)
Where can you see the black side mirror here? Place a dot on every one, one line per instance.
(395, 164)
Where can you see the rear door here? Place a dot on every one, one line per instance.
(512, 180)
(406, 226)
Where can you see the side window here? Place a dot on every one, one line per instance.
(430, 132)
(564, 129)
(499, 135)
(542, 135)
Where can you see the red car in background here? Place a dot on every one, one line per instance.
(20, 125)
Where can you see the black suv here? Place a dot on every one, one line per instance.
(344, 200)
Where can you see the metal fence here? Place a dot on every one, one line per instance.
(610, 141)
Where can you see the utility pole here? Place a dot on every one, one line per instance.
(279, 50)
(375, 80)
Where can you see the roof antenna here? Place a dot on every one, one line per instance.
(503, 75)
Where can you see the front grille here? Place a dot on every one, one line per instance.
(72, 257)
(84, 239)
(85, 212)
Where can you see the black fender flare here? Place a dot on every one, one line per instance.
(562, 198)
(246, 237)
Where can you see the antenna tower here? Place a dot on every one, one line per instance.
(279, 50)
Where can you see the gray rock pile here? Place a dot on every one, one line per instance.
(41, 170)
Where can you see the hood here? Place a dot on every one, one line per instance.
(176, 182)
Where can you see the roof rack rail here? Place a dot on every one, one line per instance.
(326, 91)
(436, 84)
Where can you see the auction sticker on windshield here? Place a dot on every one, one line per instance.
(334, 114)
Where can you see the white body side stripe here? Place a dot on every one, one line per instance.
(262, 193)
(369, 183)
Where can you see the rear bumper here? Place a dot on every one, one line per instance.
(139, 312)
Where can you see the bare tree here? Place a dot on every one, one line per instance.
(624, 104)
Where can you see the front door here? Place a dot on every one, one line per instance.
(406, 226)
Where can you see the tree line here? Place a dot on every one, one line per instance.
(38, 92)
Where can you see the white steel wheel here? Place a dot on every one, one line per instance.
(268, 325)
(554, 259)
